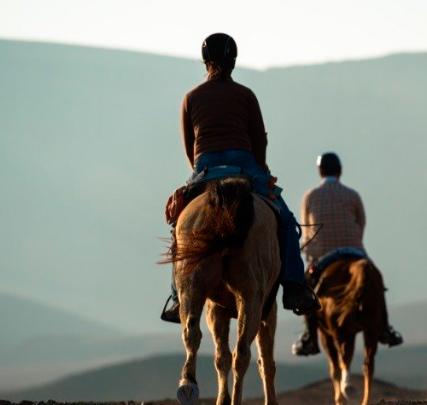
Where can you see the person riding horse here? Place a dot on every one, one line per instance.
(222, 125)
(340, 211)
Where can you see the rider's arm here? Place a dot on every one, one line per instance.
(187, 131)
(305, 218)
(360, 215)
(257, 134)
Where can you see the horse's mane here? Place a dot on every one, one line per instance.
(223, 222)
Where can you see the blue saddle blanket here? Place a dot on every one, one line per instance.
(260, 182)
(339, 254)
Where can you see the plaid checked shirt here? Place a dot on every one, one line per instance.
(340, 210)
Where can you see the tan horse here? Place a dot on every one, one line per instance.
(227, 256)
(351, 292)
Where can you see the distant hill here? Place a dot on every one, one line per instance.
(153, 378)
(57, 354)
(90, 149)
(23, 320)
(156, 377)
(321, 393)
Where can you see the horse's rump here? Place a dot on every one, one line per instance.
(215, 222)
(352, 285)
(226, 238)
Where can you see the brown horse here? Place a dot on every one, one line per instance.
(351, 292)
(227, 256)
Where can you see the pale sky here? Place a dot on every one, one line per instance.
(268, 33)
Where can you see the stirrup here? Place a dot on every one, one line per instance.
(313, 306)
(167, 316)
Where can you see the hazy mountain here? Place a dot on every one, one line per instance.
(44, 358)
(84, 177)
(90, 150)
(156, 377)
(25, 321)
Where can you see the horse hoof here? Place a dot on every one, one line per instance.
(350, 391)
(188, 394)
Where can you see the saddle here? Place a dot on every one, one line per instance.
(266, 190)
(315, 270)
(196, 186)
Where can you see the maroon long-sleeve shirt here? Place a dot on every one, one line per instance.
(222, 114)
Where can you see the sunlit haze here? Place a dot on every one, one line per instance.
(268, 33)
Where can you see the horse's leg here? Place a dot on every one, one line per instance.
(373, 321)
(192, 301)
(334, 366)
(266, 363)
(219, 325)
(347, 351)
(248, 321)
(368, 368)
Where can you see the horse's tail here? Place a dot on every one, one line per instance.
(363, 274)
(222, 225)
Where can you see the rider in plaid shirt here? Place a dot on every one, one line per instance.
(339, 210)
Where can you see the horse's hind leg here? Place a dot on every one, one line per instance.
(373, 317)
(248, 322)
(219, 325)
(191, 307)
(266, 364)
(347, 351)
(368, 367)
(334, 367)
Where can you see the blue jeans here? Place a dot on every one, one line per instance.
(292, 267)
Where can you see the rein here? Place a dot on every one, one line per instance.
(320, 226)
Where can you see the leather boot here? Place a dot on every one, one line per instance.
(306, 344)
(390, 336)
(299, 298)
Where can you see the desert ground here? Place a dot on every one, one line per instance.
(319, 393)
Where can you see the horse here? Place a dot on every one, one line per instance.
(351, 293)
(226, 255)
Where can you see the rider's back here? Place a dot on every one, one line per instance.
(221, 114)
(340, 210)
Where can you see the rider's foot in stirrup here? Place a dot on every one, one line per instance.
(391, 337)
(305, 346)
(299, 298)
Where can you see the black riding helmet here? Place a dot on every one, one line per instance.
(329, 164)
(218, 47)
